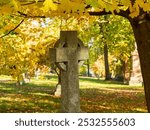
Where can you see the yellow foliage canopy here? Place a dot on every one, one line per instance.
(61, 7)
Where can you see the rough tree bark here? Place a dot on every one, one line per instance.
(106, 63)
(107, 74)
(141, 28)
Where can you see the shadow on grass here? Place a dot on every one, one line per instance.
(89, 79)
(106, 100)
(28, 98)
(95, 80)
(26, 88)
(36, 97)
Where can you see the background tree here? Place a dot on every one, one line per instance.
(117, 33)
(23, 50)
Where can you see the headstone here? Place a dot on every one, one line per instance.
(58, 90)
(37, 74)
(136, 76)
(68, 53)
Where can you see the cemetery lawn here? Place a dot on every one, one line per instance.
(96, 96)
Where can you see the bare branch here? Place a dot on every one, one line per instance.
(30, 2)
(13, 29)
(29, 16)
(121, 13)
(34, 2)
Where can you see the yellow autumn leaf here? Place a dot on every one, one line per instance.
(77, 1)
(102, 4)
(146, 7)
(135, 11)
(16, 4)
(5, 9)
(49, 5)
(126, 2)
(36, 1)
(0, 40)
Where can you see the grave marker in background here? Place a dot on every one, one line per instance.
(136, 76)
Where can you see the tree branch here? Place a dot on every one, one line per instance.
(121, 13)
(34, 2)
(31, 2)
(13, 29)
(29, 16)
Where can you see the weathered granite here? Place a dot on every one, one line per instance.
(68, 54)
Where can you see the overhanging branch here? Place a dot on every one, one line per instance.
(120, 13)
(29, 16)
(24, 3)
(13, 29)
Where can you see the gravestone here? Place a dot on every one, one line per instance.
(136, 76)
(57, 92)
(68, 53)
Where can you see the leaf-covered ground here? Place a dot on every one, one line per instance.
(96, 96)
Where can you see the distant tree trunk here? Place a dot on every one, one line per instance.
(128, 69)
(141, 28)
(125, 70)
(107, 73)
(88, 68)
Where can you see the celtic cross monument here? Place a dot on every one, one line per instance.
(68, 54)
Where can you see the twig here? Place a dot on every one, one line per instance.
(31, 2)
(29, 16)
(13, 29)
(120, 13)
(39, 1)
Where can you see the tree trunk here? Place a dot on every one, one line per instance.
(125, 70)
(107, 74)
(141, 30)
(88, 68)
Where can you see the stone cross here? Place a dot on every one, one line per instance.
(68, 53)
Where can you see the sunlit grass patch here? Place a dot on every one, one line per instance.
(95, 96)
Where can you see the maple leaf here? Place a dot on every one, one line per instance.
(36, 1)
(16, 4)
(49, 5)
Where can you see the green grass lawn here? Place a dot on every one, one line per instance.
(96, 96)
